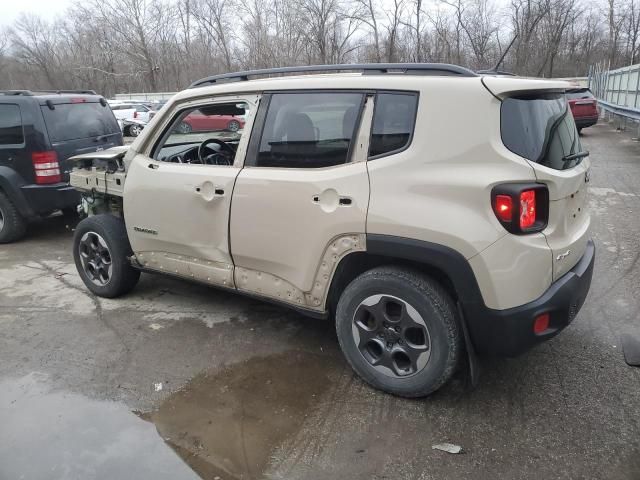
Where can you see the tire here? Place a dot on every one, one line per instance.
(184, 127)
(12, 225)
(135, 130)
(101, 251)
(233, 126)
(398, 330)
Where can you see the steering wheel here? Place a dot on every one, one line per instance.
(203, 145)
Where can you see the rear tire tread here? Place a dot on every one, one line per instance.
(15, 226)
(440, 300)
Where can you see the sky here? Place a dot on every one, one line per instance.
(10, 9)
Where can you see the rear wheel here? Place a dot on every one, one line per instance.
(398, 330)
(184, 128)
(12, 225)
(233, 126)
(135, 130)
(101, 252)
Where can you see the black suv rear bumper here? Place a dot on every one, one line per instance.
(42, 199)
(584, 122)
(510, 332)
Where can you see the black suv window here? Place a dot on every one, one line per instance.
(309, 130)
(70, 121)
(10, 125)
(541, 129)
(393, 122)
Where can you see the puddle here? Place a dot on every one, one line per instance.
(227, 425)
(52, 435)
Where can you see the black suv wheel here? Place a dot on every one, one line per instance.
(399, 332)
(101, 252)
(12, 225)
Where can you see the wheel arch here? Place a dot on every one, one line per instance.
(449, 267)
(10, 183)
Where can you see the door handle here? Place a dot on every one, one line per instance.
(345, 201)
(209, 192)
(153, 166)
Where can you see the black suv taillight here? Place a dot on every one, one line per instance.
(521, 207)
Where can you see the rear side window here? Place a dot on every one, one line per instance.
(72, 121)
(309, 130)
(393, 123)
(11, 132)
(540, 128)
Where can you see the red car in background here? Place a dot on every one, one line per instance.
(196, 121)
(584, 107)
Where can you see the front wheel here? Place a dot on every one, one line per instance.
(101, 252)
(399, 332)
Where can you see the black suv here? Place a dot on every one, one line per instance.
(39, 131)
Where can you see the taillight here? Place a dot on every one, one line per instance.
(504, 207)
(527, 209)
(46, 167)
(521, 208)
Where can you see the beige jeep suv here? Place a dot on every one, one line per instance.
(432, 212)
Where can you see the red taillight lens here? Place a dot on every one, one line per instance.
(46, 167)
(541, 323)
(504, 207)
(521, 208)
(527, 208)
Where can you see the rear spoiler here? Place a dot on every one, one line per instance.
(501, 87)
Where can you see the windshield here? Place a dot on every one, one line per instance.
(71, 121)
(541, 129)
(579, 93)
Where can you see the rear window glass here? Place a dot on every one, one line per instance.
(578, 93)
(10, 125)
(393, 122)
(541, 129)
(71, 121)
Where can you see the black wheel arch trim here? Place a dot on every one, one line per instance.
(10, 184)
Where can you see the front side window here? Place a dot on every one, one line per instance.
(10, 125)
(393, 123)
(541, 129)
(309, 130)
(207, 135)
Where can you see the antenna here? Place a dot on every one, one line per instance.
(504, 54)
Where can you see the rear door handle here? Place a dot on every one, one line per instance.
(153, 166)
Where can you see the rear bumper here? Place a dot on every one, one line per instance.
(584, 122)
(43, 199)
(510, 332)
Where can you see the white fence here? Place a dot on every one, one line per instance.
(617, 91)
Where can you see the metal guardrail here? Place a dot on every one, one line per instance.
(628, 112)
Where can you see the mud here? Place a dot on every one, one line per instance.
(227, 425)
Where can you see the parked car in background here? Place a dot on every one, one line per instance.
(584, 107)
(39, 131)
(138, 115)
(196, 121)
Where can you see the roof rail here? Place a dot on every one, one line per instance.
(16, 92)
(81, 91)
(496, 72)
(35, 92)
(366, 68)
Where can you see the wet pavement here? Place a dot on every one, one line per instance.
(178, 381)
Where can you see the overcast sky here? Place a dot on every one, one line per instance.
(10, 9)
